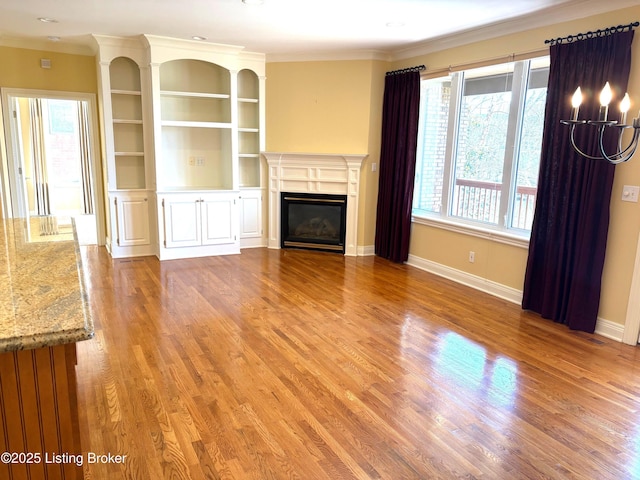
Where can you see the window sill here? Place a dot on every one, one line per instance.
(473, 230)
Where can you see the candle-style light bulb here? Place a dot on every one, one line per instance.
(606, 95)
(625, 105)
(576, 100)
(605, 98)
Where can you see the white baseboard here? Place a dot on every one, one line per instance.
(366, 251)
(604, 327)
(609, 329)
(493, 288)
(252, 242)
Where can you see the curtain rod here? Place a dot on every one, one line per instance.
(417, 68)
(598, 33)
(512, 57)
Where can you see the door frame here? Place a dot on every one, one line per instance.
(10, 160)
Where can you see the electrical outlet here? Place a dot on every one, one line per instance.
(199, 161)
(472, 257)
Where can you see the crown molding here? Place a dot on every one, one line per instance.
(338, 55)
(81, 47)
(575, 10)
(190, 44)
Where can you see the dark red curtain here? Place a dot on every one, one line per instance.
(400, 115)
(569, 233)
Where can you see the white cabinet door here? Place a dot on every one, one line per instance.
(250, 214)
(182, 225)
(192, 220)
(132, 220)
(218, 213)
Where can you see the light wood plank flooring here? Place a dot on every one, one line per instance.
(285, 364)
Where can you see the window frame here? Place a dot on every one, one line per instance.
(499, 232)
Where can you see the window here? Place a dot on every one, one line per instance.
(479, 144)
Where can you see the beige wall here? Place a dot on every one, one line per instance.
(20, 68)
(506, 264)
(369, 185)
(318, 107)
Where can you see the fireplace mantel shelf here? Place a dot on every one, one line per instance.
(315, 173)
(288, 157)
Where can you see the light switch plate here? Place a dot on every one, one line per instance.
(630, 193)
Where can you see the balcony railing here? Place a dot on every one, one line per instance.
(477, 200)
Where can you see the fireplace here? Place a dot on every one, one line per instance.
(315, 174)
(313, 221)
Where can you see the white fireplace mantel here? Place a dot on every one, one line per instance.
(315, 173)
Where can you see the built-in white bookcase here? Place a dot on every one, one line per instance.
(128, 136)
(183, 128)
(195, 106)
(249, 129)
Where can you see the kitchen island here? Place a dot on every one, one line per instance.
(44, 311)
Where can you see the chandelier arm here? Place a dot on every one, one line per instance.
(621, 156)
(577, 149)
(634, 143)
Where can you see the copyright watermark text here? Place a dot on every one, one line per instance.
(59, 458)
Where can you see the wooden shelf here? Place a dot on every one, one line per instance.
(129, 154)
(126, 92)
(186, 124)
(127, 121)
(174, 93)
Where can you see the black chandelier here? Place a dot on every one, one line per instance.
(622, 154)
(603, 123)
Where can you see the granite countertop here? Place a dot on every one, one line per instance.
(43, 299)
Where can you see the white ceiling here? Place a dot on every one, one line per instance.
(282, 28)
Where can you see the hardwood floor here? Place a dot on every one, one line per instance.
(279, 364)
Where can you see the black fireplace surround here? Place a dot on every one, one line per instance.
(313, 221)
